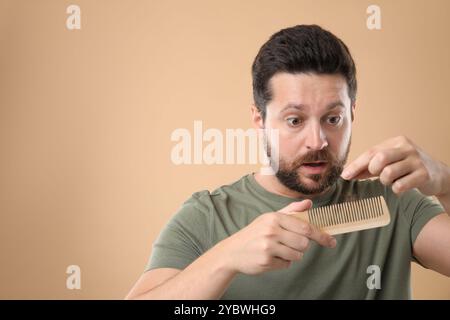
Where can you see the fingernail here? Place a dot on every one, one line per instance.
(333, 242)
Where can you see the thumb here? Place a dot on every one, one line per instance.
(297, 206)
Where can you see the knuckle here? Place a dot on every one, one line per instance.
(388, 172)
(413, 151)
(265, 246)
(307, 230)
(418, 163)
(271, 231)
(268, 219)
(382, 157)
(387, 175)
(298, 255)
(324, 239)
(272, 218)
(306, 243)
(372, 151)
(372, 169)
(425, 175)
(265, 261)
(402, 139)
(397, 186)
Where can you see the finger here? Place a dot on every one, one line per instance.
(294, 240)
(322, 238)
(383, 158)
(388, 174)
(395, 171)
(279, 263)
(358, 165)
(293, 224)
(372, 162)
(287, 253)
(297, 206)
(410, 181)
(363, 175)
(303, 228)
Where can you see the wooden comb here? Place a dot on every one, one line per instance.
(349, 216)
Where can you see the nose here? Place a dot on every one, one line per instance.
(316, 138)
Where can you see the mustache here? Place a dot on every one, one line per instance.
(321, 155)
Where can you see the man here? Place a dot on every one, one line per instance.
(241, 242)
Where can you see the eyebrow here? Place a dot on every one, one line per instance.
(330, 106)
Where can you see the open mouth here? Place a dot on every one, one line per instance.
(315, 164)
(317, 167)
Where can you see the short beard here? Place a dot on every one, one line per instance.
(288, 175)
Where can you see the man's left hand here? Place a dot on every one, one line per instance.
(401, 163)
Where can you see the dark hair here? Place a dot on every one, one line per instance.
(301, 49)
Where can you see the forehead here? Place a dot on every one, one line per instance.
(313, 90)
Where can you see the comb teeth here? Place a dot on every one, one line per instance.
(349, 216)
(346, 212)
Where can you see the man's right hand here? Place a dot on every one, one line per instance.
(272, 241)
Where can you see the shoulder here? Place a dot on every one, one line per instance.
(205, 198)
(203, 203)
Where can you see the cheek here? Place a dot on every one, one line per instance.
(341, 142)
(289, 146)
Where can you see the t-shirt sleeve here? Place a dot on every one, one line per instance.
(418, 209)
(184, 238)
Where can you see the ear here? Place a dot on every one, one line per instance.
(353, 110)
(257, 120)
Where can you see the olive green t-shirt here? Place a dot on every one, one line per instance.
(368, 264)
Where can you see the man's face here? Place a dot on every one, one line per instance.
(313, 115)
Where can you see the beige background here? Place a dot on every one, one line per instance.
(86, 118)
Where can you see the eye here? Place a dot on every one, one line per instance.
(334, 120)
(293, 122)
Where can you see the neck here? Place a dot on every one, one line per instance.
(273, 185)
